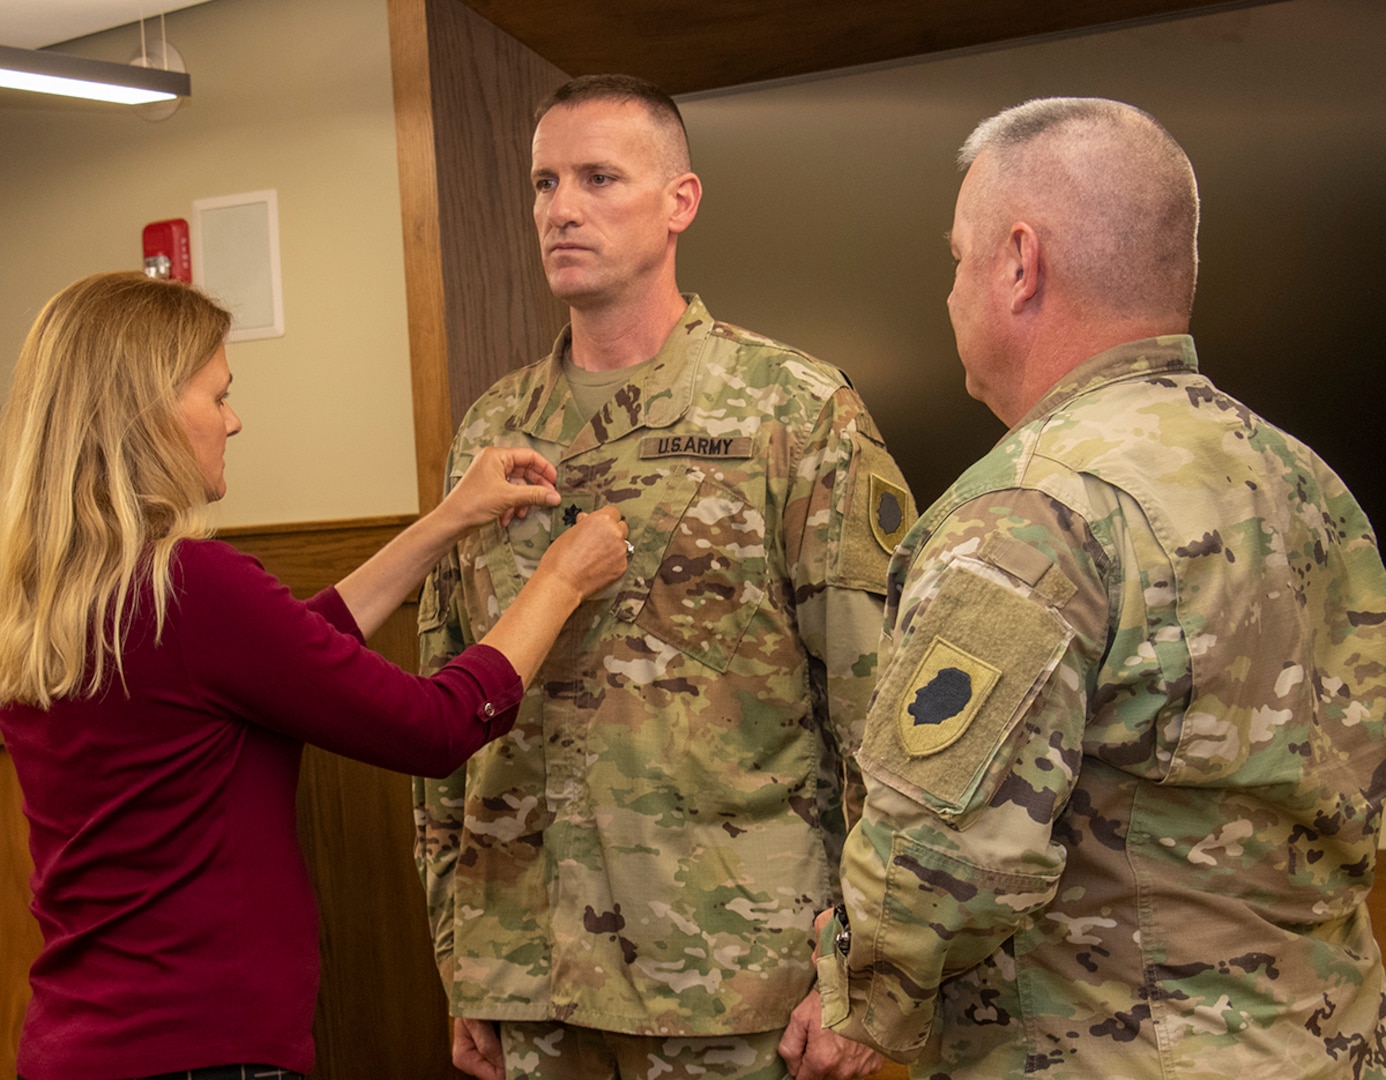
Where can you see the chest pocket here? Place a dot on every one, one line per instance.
(703, 559)
(490, 579)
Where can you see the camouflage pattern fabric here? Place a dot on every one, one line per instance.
(1124, 768)
(646, 851)
(547, 1050)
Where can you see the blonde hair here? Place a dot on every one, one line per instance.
(97, 477)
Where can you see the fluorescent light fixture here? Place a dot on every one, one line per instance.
(98, 80)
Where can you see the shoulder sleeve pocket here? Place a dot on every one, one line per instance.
(975, 660)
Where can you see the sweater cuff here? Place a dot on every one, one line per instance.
(501, 689)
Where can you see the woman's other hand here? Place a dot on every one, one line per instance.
(501, 483)
(585, 559)
(591, 554)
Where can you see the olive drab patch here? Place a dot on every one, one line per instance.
(880, 512)
(952, 686)
(890, 517)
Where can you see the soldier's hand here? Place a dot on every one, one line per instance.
(812, 1052)
(476, 1049)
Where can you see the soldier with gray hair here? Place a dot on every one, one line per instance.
(1125, 761)
(628, 884)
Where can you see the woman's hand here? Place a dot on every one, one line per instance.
(501, 483)
(591, 554)
(585, 559)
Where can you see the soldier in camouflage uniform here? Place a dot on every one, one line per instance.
(1125, 762)
(628, 881)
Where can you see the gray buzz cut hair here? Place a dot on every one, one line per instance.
(1113, 196)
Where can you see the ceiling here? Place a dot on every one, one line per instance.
(36, 24)
(691, 45)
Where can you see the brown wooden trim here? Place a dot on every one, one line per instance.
(309, 556)
(391, 521)
(423, 261)
(20, 930)
(475, 293)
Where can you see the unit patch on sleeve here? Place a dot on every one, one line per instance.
(879, 511)
(952, 686)
(890, 518)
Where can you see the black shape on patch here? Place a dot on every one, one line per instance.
(946, 695)
(570, 514)
(889, 513)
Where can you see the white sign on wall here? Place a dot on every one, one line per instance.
(235, 257)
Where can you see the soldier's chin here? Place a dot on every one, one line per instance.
(573, 291)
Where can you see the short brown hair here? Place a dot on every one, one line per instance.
(658, 104)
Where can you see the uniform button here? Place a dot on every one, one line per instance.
(488, 710)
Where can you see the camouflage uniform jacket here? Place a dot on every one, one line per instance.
(1125, 762)
(646, 851)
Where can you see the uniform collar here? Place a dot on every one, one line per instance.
(658, 398)
(1169, 354)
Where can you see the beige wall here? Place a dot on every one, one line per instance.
(293, 95)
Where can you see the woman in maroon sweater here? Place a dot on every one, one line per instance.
(157, 687)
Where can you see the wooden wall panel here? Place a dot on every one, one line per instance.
(478, 304)
(478, 307)
(309, 556)
(381, 1009)
(690, 45)
(423, 264)
(485, 84)
(19, 933)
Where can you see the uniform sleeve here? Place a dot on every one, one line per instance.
(847, 507)
(973, 745)
(438, 802)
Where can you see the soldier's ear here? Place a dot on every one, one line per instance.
(1025, 265)
(687, 193)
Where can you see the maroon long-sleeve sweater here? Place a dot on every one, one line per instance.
(178, 921)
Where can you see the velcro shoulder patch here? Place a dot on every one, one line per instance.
(879, 512)
(1029, 565)
(976, 658)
